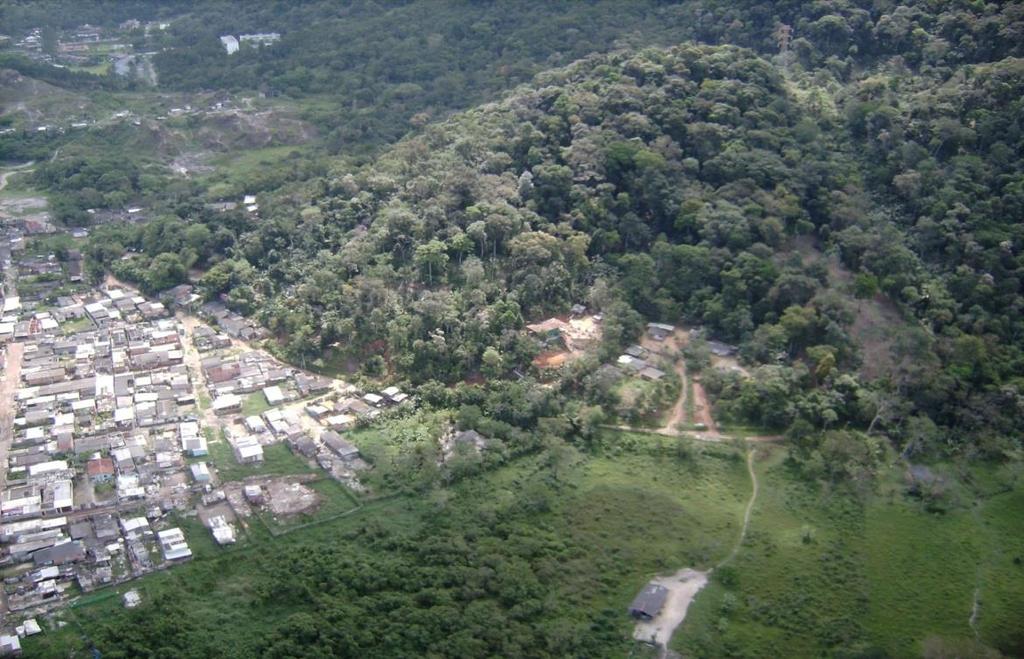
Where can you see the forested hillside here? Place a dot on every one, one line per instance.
(696, 183)
(836, 187)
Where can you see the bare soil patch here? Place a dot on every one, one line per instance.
(702, 408)
(286, 498)
(682, 587)
(222, 509)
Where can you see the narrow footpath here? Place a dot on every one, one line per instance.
(746, 514)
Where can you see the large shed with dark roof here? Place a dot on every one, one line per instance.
(647, 605)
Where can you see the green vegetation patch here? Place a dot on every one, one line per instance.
(278, 460)
(827, 572)
(255, 404)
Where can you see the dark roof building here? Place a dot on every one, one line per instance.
(647, 605)
(68, 552)
(345, 449)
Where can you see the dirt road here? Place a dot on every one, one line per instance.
(702, 408)
(8, 388)
(14, 170)
(684, 585)
(193, 361)
(677, 416)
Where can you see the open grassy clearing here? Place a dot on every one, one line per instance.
(237, 167)
(640, 515)
(622, 517)
(278, 460)
(101, 69)
(826, 573)
(255, 404)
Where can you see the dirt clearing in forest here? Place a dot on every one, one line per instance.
(682, 587)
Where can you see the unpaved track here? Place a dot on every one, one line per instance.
(746, 513)
(686, 584)
(702, 408)
(677, 417)
(20, 169)
(8, 388)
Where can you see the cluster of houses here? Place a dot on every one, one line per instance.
(85, 552)
(636, 361)
(82, 45)
(234, 325)
(103, 423)
(107, 439)
(229, 377)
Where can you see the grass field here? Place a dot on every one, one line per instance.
(240, 166)
(824, 573)
(278, 460)
(100, 69)
(820, 574)
(255, 404)
(75, 325)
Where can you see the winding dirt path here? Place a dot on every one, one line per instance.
(677, 417)
(755, 488)
(20, 169)
(684, 586)
(702, 408)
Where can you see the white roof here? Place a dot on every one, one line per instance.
(274, 394)
(200, 469)
(227, 400)
(63, 496)
(255, 424)
(12, 304)
(10, 643)
(127, 480)
(47, 467)
(250, 451)
(340, 419)
(134, 524)
(172, 542)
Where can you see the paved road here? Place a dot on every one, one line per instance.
(8, 388)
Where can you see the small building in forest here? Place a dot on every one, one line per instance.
(649, 602)
(660, 331)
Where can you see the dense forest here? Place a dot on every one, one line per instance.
(836, 187)
(696, 183)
